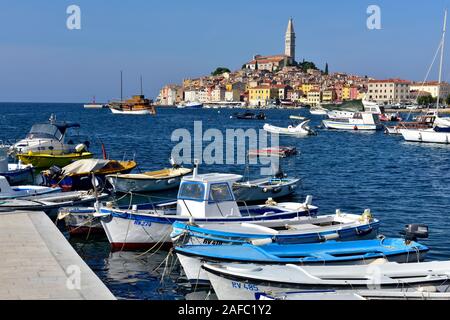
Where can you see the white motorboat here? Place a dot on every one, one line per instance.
(8, 192)
(379, 280)
(302, 129)
(359, 121)
(15, 173)
(203, 198)
(48, 138)
(318, 111)
(191, 105)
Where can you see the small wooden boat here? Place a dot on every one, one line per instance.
(281, 152)
(425, 121)
(137, 105)
(302, 129)
(265, 188)
(80, 220)
(77, 175)
(8, 192)
(50, 203)
(45, 160)
(330, 253)
(159, 180)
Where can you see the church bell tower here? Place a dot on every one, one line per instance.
(289, 49)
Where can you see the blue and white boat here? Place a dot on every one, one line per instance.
(306, 229)
(15, 173)
(25, 191)
(205, 198)
(192, 257)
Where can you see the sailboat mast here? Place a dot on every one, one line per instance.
(442, 59)
(121, 86)
(141, 86)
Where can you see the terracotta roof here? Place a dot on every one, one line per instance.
(390, 81)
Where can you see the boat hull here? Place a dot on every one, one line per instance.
(45, 161)
(429, 136)
(132, 112)
(338, 125)
(126, 185)
(18, 176)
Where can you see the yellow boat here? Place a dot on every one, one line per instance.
(45, 161)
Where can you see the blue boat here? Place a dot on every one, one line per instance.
(306, 229)
(398, 250)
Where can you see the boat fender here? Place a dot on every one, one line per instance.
(366, 216)
(332, 236)
(170, 181)
(338, 212)
(379, 261)
(80, 148)
(271, 202)
(261, 242)
(427, 289)
(265, 190)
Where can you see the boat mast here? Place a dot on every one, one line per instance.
(121, 86)
(442, 58)
(141, 85)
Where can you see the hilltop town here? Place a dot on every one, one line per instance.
(280, 80)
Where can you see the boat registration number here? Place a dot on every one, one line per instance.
(142, 223)
(245, 286)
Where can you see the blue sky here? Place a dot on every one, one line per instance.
(166, 41)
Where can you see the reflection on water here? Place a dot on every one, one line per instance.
(400, 182)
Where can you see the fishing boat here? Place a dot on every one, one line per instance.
(330, 253)
(77, 175)
(359, 121)
(424, 121)
(15, 173)
(80, 221)
(150, 181)
(23, 191)
(380, 280)
(305, 229)
(280, 152)
(275, 187)
(249, 116)
(203, 198)
(47, 138)
(301, 129)
(41, 160)
(51, 202)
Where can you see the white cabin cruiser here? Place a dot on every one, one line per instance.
(359, 121)
(48, 138)
(203, 198)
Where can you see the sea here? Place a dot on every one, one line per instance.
(401, 183)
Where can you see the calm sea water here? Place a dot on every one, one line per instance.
(400, 182)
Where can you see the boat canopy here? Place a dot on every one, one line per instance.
(84, 166)
(50, 130)
(350, 106)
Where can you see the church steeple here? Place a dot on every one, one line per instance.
(289, 49)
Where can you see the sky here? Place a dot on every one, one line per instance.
(41, 60)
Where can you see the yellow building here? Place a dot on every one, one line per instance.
(307, 87)
(346, 93)
(261, 96)
(328, 95)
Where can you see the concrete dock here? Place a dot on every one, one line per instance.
(37, 262)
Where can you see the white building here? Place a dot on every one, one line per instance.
(432, 88)
(388, 91)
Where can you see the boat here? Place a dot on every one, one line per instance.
(381, 279)
(80, 221)
(280, 152)
(249, 116)
(150, 181)
(262, 189)
(318, 111)
(203, 198)
(15, 173)
(194, 105)
(305, 229)
(49, 203)
(440, 131)
(41, 160)
(23, 191)
(359, 121)
(137, 105)
(424, 121)
(77, 175)
(301, 129)
(329, 253)
(48, 138)
(94, 105)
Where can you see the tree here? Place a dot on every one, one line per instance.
(425, 100)
(326, 69)
(219, 71)
(447, 100)
(305, 65)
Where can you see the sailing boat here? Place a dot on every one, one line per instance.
(440, 132)
(137, 105)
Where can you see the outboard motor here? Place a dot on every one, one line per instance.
(412, 232)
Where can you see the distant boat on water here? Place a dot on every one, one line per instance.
(94, 105)
(190, 105)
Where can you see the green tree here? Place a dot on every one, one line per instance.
(427, 99)
(326, 69)
(220, 70)
(447, 100)
(305, 65)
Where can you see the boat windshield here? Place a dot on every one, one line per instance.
(192, 191)
(220, 192)
(44, 131)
